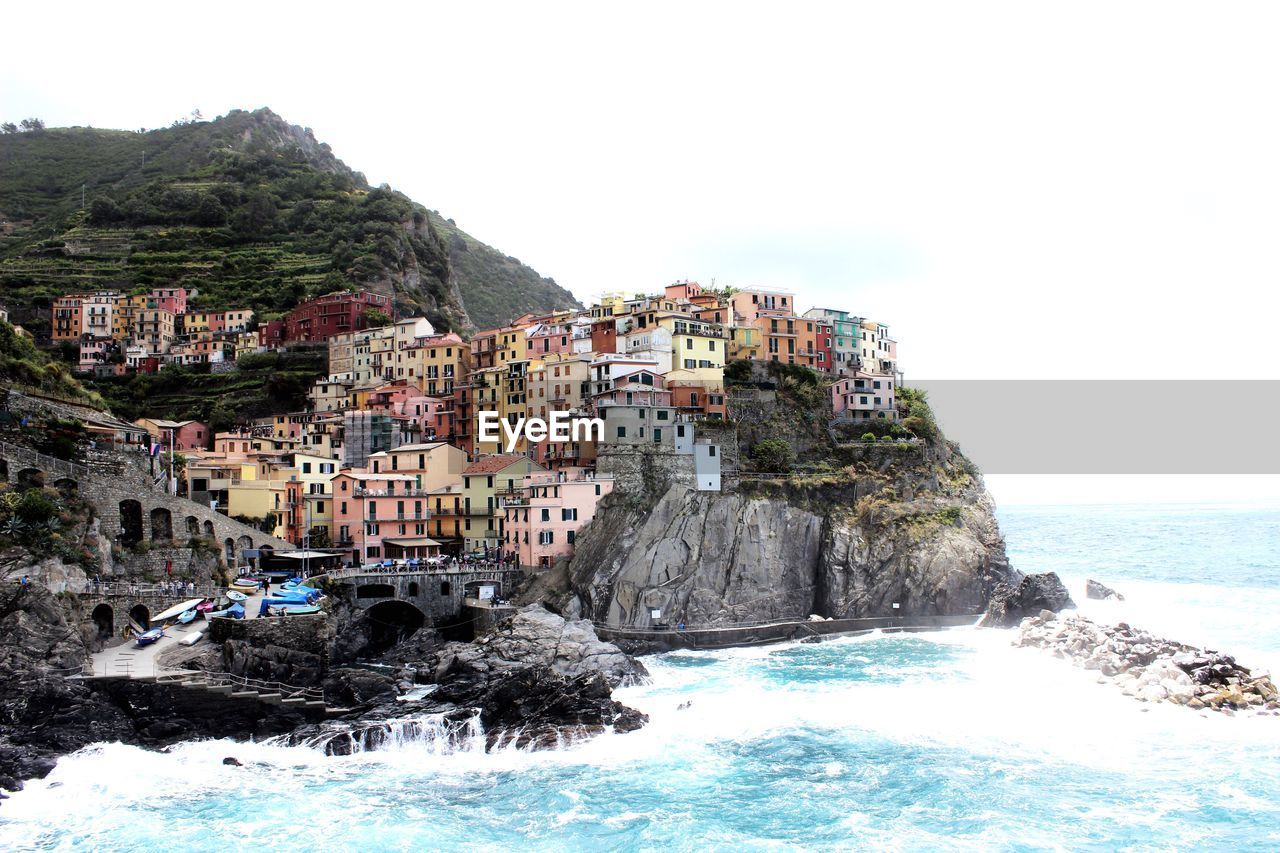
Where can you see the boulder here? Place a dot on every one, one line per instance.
(1094, 589)
(1034, 593)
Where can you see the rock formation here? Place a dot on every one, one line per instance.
(537, 681)
(1010, 603)
(919, 534)
(1100, 591)
(1150, 668)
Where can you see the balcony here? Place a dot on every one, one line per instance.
(401, 516)
(387, 493)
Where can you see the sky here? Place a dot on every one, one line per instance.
(1019, 190)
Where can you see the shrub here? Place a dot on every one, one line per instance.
(886, 438)
(868, 436)
(773, 455)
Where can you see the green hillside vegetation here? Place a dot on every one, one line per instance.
(261, 385)
(247, 209)
(24, 366)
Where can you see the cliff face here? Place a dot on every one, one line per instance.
(919, 533)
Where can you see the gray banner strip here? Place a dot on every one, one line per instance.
(1112, 426)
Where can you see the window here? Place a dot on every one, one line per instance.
(572, 536)
(445, 588)
(569, 514)
(657, 436)
(546, 514)
(663, 414)
(711, 450)
(622, 432)
(688, 343)
(546, 537)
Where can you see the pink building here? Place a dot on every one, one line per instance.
(187, 435)
(750, 305)
(543, 522)
(549, 338)
(170, 299)
(381, 516)
(864, 396)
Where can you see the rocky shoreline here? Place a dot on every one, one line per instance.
(1150, 668)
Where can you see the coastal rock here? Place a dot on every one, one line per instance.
(1034, 593)
(719, 559)
(1149, 668)
(1101, 592)
(535, 636)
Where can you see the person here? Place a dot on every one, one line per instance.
(25, 580)
(266, 585)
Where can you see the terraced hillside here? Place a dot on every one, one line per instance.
(246, 209)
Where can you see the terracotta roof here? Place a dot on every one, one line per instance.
(493, 464)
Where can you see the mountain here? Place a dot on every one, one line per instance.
(247, 209)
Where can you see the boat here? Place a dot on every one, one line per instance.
(175, 611)
(187, 617)
(205, 606)
(299, 609)
(236, 596)
(149, 636)
(192, 639)
(235, 611)
(246, 585)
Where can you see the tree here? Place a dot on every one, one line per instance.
(773, 456)
(209, 212)
(104, 211)
(8, 127)
(374, 318)
(32, 124)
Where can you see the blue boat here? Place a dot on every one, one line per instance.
(187, 617)
(235, 611)
(149, 636)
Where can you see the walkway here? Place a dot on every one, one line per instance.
(128, 660)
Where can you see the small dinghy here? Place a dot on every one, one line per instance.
(299, 609)
(149, 636)
(205, 606)
(187, 617)
(235, 611)
(192, 639)
(246, 584)
(236, 596)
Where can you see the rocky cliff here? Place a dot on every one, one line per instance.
(906, 526)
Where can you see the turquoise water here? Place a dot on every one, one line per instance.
(942, 741)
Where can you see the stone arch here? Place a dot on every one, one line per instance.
(193, 527)
(30, 478)
(161, 525)
(229, 546)
(66, 486)
(413, 588)
(208, 528)
(445, 588)
(140, 614)
(104, 619)
(244, 543)
(375, 590)
(392, 621)
(130, 522)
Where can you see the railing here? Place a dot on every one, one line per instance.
(487, 567)
(160, 590)
(39, 460)
(384, 493)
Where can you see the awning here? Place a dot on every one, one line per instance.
(411, 543)
(304, 555)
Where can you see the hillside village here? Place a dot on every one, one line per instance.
(388, 462)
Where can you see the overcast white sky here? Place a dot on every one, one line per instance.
(1020, 190)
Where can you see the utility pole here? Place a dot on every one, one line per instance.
(82, 196)
(173, 486)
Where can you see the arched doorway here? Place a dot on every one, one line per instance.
(193, 527)
(244, 543)
(104, 619)
(66, 486)
(230, 545)
(130, 522)
(141, 615)
(30, 478)
(392, 621)
(208, 529)
(161, 525)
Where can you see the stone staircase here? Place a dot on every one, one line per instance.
(242, 687)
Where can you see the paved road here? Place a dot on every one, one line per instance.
(127, 658)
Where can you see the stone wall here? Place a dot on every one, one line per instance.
(426, 591)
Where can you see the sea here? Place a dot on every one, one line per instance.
(942, 741)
